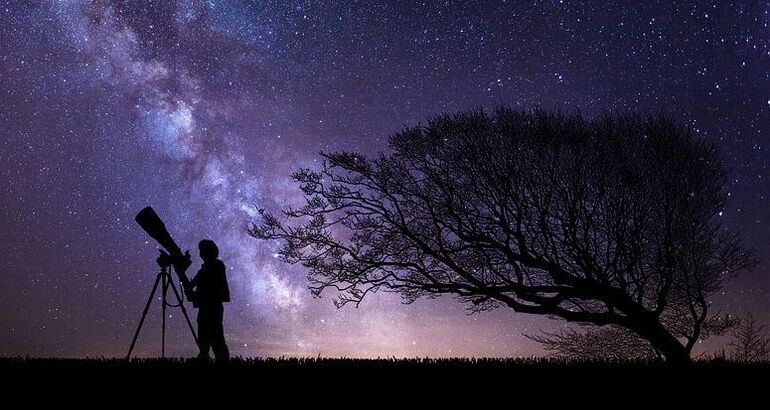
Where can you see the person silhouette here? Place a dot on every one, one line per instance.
(210, 291)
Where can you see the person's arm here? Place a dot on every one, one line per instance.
(225, 289)
(192, 292)
(194, 282)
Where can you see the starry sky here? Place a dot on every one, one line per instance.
(202, 109)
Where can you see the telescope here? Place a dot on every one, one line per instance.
(170, 255)
(173, 256)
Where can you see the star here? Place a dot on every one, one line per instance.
(205, 109)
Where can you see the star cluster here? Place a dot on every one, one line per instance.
(202, 109)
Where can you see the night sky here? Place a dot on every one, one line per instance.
(203, 109)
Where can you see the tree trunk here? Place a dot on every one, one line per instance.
(674, 353)
(663, 341)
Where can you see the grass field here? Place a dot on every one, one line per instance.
(323, 374)
(382, 383)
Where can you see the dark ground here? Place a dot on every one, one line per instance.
(323, 382)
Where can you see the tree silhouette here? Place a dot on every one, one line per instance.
(597, 343)
(751, 344)
(615, 342)
(611, 220)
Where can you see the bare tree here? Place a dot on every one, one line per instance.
(751, 344)
(608, 342)
(615, 342)
(606, 221)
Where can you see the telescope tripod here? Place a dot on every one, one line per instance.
(166, 281)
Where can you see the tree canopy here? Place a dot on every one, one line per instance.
(611, 220)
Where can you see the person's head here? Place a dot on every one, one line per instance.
(208, 250)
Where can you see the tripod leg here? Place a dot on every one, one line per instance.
(144, 315)
(164, 286)
(184, 311)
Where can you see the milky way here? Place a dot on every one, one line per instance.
(203, 109)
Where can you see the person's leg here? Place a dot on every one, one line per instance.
(204, 337)
(221, 352)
